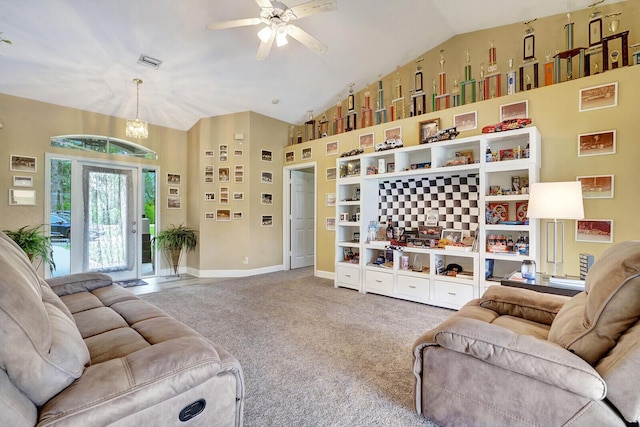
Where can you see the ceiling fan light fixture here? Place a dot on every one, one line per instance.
(137, 128)
(281, 35)
(265, 34)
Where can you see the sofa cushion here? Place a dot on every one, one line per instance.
(42, 351)
(591, 323)
(523, 303)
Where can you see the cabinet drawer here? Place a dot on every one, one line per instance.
(349, 277)
(413, 287)
(379, 282)
(455, 294)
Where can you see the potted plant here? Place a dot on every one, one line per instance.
(35, 244)
(174, 241)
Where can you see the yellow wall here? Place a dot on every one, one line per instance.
(554, 111)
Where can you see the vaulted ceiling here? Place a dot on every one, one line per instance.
(83, 53)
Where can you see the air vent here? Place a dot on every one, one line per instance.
(149, 61)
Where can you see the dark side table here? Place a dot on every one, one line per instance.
(541, 284)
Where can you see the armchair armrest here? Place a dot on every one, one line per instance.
(541, 360)
(79, 282)
(523, 303)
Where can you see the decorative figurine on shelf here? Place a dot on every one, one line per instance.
(372, 231)
(367, 112)
(397, 105)
(511, 78)
(310, 127)
(381, 111)
(418, 98)
(389, 229)
(351, 110)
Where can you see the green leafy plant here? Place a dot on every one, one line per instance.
(175, 240)
(35, 244)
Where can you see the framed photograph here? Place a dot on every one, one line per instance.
(223, 150)
(266, 177)
(529, 47)
(344, 217)
(428, 128)
(266, 156)
(238, 174)
(23, 164)
(266, 199)
(466, 121)
(223, 174)
(433, 217)
(224, 195)
(330, 224)
(454, 236)
(598, 97)
(237, 215)
(238, 153)
(173, 179)
(267, 221)
(223, 215)
(596, 186)
(174, 191)
(208, 174)
(210, 196)
(331, 174)
(594, 230)
(366, 140)
(332, 148)
(596, 144)
(391, 167)
(331, 199)
(290, 156)
(22, 181)
(174, 203)
(22, 197)
(306, 153)
(515, 110)
(595, 31)
(210, 216)
(238, 195)
(394, 133)
(209, 153)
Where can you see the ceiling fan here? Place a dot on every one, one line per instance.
(277, 17)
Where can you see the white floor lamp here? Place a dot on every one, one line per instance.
(555, 200)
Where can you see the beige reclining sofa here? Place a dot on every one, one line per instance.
(516, 357)
(80, 351)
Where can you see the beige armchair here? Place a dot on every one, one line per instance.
(518, 357)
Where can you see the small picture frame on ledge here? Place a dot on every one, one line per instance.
(428, 128)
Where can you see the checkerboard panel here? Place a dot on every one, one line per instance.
(406, 202)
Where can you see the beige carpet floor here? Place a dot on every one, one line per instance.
(312, 355)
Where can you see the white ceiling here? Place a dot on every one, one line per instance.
(83, 53)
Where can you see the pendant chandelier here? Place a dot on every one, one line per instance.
(137, 128)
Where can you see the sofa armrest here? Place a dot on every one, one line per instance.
(78, 282)
(541, 360)
(523, 303)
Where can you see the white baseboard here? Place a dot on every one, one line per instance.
(326, 274)
(233, 273)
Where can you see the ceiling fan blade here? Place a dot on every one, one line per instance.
(313, 6)
(306, 39)
(264, 3)
(265, 48)
(234, 23)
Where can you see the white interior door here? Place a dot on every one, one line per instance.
(302, 219)
(105, 222)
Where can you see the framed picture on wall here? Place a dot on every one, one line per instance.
(515, 110)
(266, 156)
(266, 199)
(237, 215)
(290, 156)
(223, 215)
(22, 181)
(428, 128)
(594, 230)
(210, 216)
(332, 148)
(267, 221)
(597, 143)
(173, 179)
(331, 174)
(466, 121)
(393, 133)
(597, 97)
(596, 186)
(22, 197)
(174, 191)
(306, 153)
(174, 203)
(23, 163)
(330, 224)
(366, 140)
(209, 153)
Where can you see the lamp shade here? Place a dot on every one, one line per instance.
(557, 200)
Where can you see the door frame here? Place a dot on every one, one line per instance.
(139, 167)
(286, 210)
